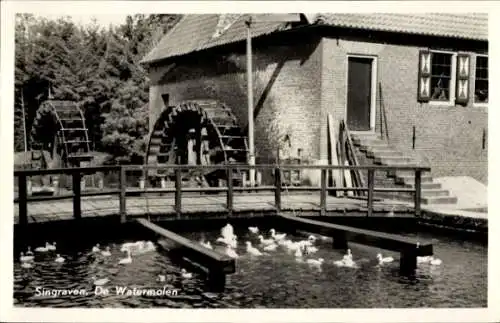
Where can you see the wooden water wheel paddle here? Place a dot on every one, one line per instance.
(196, 132)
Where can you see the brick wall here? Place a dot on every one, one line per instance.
(448, 137)
(286, 95)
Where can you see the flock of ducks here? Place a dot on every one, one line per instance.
(130, 248)
(300, 249)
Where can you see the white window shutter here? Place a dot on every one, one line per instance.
(463, 76)
(424, 76)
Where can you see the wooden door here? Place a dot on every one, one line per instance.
(359, 93)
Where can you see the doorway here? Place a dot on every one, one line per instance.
(361, 86)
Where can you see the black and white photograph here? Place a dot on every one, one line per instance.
(247, 159)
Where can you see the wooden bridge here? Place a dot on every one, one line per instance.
(178, 201)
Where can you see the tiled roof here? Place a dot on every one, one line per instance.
(468, 26)
(196, 32)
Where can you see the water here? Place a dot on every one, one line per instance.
(273, 281)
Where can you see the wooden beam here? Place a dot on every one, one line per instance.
(77, 198)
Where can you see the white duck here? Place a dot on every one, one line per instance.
(254, 230)
(310, 249)
(252, 250)
(424, 259)
(346, 262)
(96, 248)
(348, 256)
(43, 249)
(277, 236)
(127, 260)
(265, 241)
(315, 262)
(227, 231)
(24, 258)
(27, 265)
(231, 252)
(435, 261)
(106, 253)
(271, 247)
(149, 246)
(51, 247)
(383, 260)
(29, 252)
(185, 274)
(312, 238)
(206, 244)
(298, 253)
(99, 282)
(59, 259)
(161, 278)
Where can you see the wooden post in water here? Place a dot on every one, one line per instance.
(418, 191)
(178, 192)
(277, 189)
(407, 263)
(230, 191)
(23, 199)
(323, 192)
(123, 191)
(340, 241)
(77, 187)
(217, 281)
(371, 173)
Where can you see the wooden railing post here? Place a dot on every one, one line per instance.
(230, 190)
(418, 191)
(123, 191)
(277, 189)
(23, 199)
(178, 192)
(77, 195)
(371, 173)
(322, 202)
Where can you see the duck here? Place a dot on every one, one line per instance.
(271, 247)
(315, 262)
(435, 261)
(59, 259)
(277, 236)
(348, 256)
(252, 250)
(24, 258)
(96, 248)
(43, 249)
(127, 260)
(51, 247)
(185, 274)
(345, 262)
(311, 238)
(27, 265)
(149, 246)
(254, 230)
(106, 253)
(227, 231)
(265, 241)
(298, 253)
(384, 260)
(231, 252)
(100, 282)
(161, 278)
(207, 244)
(29, 252)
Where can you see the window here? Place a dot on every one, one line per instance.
(481, 81)
(441, 77)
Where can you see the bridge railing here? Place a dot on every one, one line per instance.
(125, 185)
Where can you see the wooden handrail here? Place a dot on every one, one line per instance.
(349, 152)
(123, 191)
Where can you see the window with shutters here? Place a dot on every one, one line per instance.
(438, 77)
(481, 80)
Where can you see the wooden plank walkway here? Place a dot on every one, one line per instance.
(41, 211)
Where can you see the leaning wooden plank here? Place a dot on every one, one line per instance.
(210, 259)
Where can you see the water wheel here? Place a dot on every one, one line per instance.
(197, 132)
(59, 128)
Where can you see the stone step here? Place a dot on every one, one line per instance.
(368, 141)
(425, 186)
(365, 147)
(403, 179)
(435, 192)
(390, 160)
(427, 200)
(375, 151)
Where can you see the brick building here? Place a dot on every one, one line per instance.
(418, 81)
